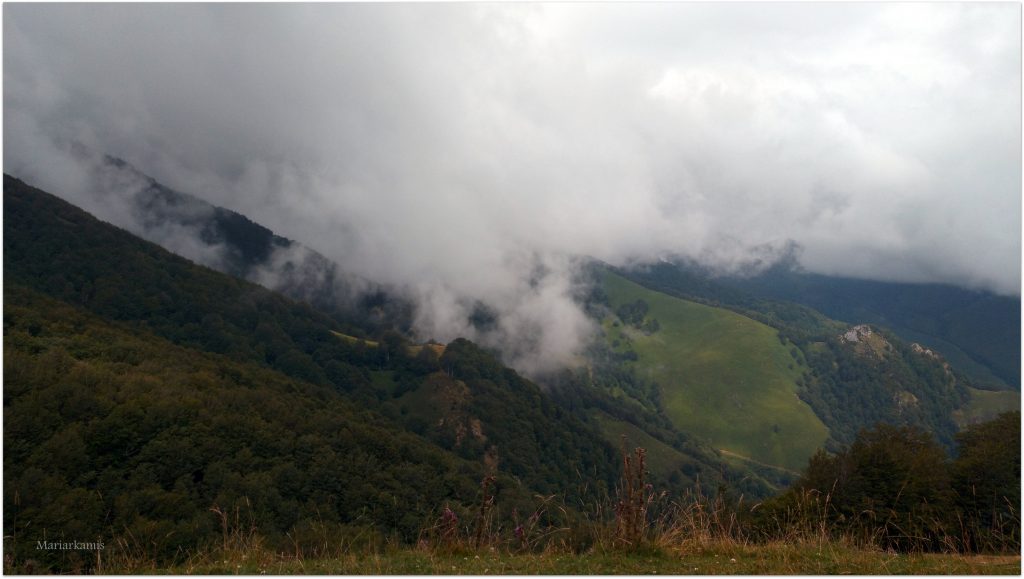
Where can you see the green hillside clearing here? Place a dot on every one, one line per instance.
(354, 340)
(662, 458)
(986, 405)
(723, 376)
(412, 350)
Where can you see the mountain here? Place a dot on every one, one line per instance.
(177, 387)
(231, 243)
(708, 380)
(153, 398)
(143, 391)
(977, 331)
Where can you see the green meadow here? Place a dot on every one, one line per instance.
(723, 376)
(663, 459)
(985, 405)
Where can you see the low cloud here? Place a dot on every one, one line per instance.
(457, 150)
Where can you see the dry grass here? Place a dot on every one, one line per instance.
(696, 534)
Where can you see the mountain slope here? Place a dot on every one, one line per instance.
(722, 376)
(868, 375)
(60, 251)
(232, 243)
(979, 332)
(114, 432)
(850, 385)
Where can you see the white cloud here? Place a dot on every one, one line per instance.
(435, 145)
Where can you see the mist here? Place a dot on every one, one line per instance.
(474, 153)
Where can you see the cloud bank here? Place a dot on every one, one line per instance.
(457, 150)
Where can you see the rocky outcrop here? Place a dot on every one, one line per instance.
(866, 341)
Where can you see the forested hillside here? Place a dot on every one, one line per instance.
(82, 261)
(232, 243)
(115, 432)
(977, 331)
(127, 331)
(165, 406)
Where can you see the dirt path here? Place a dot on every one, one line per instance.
(757, 462)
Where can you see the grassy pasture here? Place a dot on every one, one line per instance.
(985, 405)
(724, 377)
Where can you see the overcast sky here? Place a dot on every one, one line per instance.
(454, 147)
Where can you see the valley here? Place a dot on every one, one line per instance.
(720, 404)
(539, 288)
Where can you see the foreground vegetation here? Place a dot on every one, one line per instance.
(717, 559)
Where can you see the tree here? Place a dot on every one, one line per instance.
(891, 484)
(986, 482)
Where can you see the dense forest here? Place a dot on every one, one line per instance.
(978, 331)
(171, 326)
(58, 250)
(108, 427)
